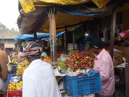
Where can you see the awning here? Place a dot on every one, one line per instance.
(30, 5)
(71, 15)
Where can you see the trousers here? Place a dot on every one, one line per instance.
(5, 85)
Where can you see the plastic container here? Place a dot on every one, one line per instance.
(79, 86)
(9, 77)
(14, 68)
(15, 93)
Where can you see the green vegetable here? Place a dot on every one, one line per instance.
(62, 64)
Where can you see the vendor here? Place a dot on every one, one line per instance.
(38, 79)
(104, 65)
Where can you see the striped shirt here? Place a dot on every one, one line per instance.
(104, 65)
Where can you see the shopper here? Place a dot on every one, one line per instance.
(38, 79)
(104, 65)
(14, 52)
(4, 61)
(43, 55)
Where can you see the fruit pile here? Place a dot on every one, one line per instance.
(47, 59)
(20, 67)
(14, 60)
(15, 86)
(78, 61)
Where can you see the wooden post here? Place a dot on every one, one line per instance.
(35, 36)
(52, 29)
(73, 41)
(112, 35)
(66, 44)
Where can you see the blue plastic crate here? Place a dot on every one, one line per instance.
(78, 86)
(14, 68)
(9, 77)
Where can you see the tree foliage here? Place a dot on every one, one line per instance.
(3, 28)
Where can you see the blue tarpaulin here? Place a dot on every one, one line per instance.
(68, 11)
(31, 36)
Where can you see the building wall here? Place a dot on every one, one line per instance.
(9, 43)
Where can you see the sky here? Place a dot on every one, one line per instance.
(9, 13)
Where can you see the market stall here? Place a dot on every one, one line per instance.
(65, 25)
(69, 67)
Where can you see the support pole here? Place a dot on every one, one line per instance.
(112, 35)
(35, 36)
(66, 44)
(58, 41)
(98, 28)
(73, 41)
(52, 29)
(127, 79)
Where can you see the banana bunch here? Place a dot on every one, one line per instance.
(20, 67)
(15, 86)
(14, 60)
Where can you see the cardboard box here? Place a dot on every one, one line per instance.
(117, 58)
(124, 50)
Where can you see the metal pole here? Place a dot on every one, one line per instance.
(35, 36)
(63, 40)
(52, 29)
(73, 41)
(127, 79)
(112, 35)
(66, 45)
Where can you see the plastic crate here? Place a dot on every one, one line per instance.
(15, 93)
(14, 68)
(9, 77)
(78, 86)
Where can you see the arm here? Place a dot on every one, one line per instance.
(0, 70)
(104, 70)
(29, 89)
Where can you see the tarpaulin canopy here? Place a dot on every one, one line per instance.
(31, 36)
(30, 5)
(74, 13)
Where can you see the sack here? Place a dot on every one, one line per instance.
(9, 67)
(8, 64)
(1, 84)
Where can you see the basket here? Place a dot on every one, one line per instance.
(9, 77)
(79, 86)
(14, 68)
(15, 93)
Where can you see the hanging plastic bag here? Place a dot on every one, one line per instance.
(1, 84)
(9, 65)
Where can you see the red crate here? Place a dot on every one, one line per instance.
(15, 93)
